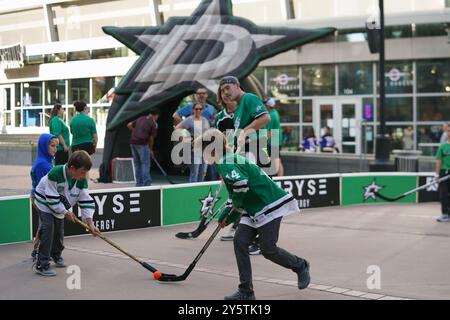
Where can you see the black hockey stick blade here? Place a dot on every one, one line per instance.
(174, 278)
(194, 234)
(388, 198)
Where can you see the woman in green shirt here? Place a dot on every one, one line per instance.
(59, 129)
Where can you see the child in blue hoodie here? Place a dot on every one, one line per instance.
(47, 147)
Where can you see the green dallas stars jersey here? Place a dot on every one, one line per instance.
(250, 108)
(252, 192)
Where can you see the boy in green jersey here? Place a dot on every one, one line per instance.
(260, 204)
(443, 169)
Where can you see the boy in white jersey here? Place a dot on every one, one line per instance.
(57, 192)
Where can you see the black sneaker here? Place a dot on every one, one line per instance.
(59, 263)
(254, 250)
(43, 272)
(238, 295)
(34, 254)
(303, 276)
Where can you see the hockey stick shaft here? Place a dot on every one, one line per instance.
(442, 179)
(101, 236)
(162, 170)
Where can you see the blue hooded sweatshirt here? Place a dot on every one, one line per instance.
(43, 163)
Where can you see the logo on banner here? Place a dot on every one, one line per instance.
(304, 190)
(432, 187)
(207, 202)
(369, 191)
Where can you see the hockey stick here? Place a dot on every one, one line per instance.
(162, 170)
(166, 277)
(205, 220)
(101, 236)
(412, 191)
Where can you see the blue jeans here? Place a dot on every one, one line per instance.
(142, 164)
(197, 169)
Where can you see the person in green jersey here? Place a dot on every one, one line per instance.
(243, 115)
(59, 129)
(274, 136)
(83, 129)
(443, 169)
(259, 203)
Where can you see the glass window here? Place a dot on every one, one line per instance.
(37, 59)
(106, 53)
(290, 137)
(318, 80)
(70, 113)
(283, 82)
(433, 108)
(397, 32)
(397, 109)
(100, 88)
(352, 35)
(55, 92)
(355, 78)
(56, 57)
(258, 73)
(18, 100)
(32, 94)
(396, 134)
(428, 139)
(32, 117)
(289, 111)
(78, 90)
(433, 75)
(100, 114)
(17, 118)
(398, 77)
(307, 114)
(79, 55)
(430, 30)
(368, 138)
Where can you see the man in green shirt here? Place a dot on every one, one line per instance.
(443, 169)
(84, 132)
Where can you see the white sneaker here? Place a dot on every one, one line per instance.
(229, 236)
(443, 218)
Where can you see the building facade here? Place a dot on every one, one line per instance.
(55, 51)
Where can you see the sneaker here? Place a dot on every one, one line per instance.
(254, 249)
(238, 295)
(59, 263)
(443, 218)
(303, 276)
(43, 272)
(34, 254)
(229, 236)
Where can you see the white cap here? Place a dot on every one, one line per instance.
(270, 102)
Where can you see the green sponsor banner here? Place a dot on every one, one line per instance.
(359, 190)
(15, 225)
(185, 204)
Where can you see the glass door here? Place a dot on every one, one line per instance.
(350, 124)
(325, 115)
(6, 106)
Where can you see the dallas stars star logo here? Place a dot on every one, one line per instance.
(207, 202)
(197, 50)
(369, 191)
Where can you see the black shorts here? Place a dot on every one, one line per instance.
(88, 147)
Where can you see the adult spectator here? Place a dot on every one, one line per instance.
(209, 112)
(444, 135)
(196, 125)
(59, 129)
(83, 129)
(143, 133)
